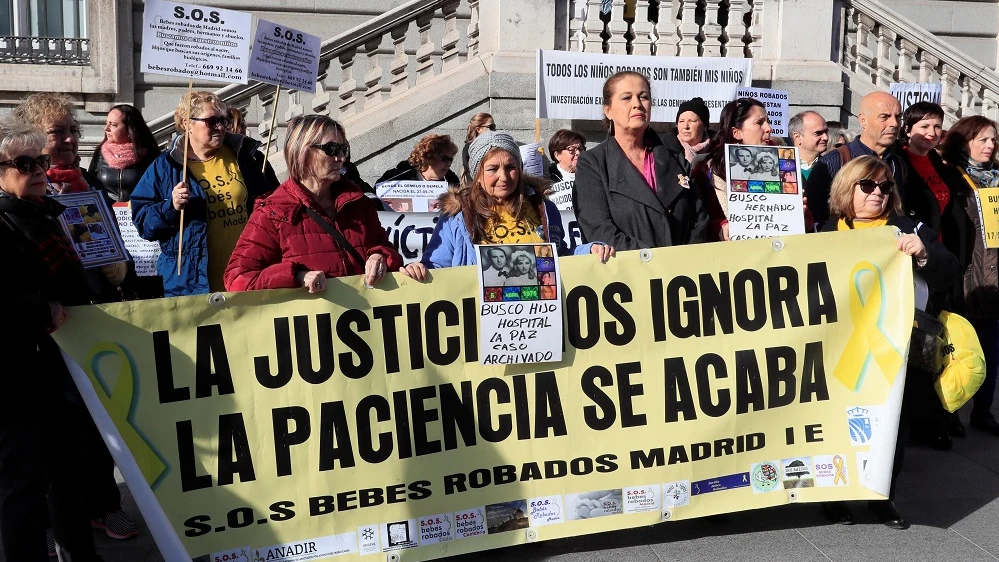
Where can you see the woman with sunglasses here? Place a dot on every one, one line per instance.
(224, 180)
(317, 224)
(863, 195)
(970, 146)
(44, 449)
(430, 160)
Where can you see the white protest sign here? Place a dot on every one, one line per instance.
(776, 104)
(410, 232)
(195, 42)
(533, 164)
(411, 196)
(521, 304)
(561, 195)
(144, 253)
(909, 93)
(764, 191)
(570, 84)
(285, 57)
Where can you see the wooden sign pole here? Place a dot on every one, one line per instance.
(270, 131)
(183, 174)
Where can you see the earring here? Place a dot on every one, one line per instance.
(610, 128)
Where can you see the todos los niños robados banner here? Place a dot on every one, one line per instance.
(358, 424)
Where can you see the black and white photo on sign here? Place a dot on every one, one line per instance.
(508, 266)
(753, 163)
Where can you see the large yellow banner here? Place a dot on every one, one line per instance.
(358, 423)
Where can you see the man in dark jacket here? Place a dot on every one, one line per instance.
(880, 119)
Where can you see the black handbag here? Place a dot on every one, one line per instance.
(926, 344)
(337, 237)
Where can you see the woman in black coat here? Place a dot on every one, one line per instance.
(41, 417)
(632, 191)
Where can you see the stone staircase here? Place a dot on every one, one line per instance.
(428, 65)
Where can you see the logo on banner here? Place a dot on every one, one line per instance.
(765, 476)
(798, 473)
(861, 427)
(830, 470)
(676, 494)
(367, 540)
(400, 534)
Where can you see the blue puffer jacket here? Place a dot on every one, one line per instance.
(451, 243)
(157, 220)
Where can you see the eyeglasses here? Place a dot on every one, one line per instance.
(26, 164)
(334, 149)
(491, 127)
(214, 122)
(446, 159)
(867, 186)
(574, 150)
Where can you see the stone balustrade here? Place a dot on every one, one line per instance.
(883, 47)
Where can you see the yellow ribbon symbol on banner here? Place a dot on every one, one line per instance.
(868, 340)
(120, 404)
(840, 472)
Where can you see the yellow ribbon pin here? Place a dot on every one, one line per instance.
(120, 407)
(868, 340)
(838, 464)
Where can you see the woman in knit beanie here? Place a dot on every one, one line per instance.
(499, 204)
(692, 120)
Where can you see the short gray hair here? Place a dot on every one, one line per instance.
(796, 125)
(18, 136)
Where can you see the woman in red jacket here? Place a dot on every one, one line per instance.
(316, 224)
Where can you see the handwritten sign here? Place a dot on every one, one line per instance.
(195, 42)
(764, 192)
(411, 196)
(89, 226)
(776, 104)
(285, 57)
(988, 209)
(521, 304)
(144, 253)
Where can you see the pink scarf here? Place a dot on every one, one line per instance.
(691, 151)
(119, 156)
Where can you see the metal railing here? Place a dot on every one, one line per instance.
(45, 50)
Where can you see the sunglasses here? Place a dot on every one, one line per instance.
(491, 126)
(867, 186)
(446, 159)
(26, 164)
(334, 149)
(213, 122)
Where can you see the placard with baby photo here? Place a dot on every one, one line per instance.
(91, 228)
(764, 195)
(521, 303)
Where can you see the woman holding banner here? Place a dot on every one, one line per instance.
(44, 427)
(316, 225)
(971, 147)
(501, 205)
(863, 195)
(223, 181)
(743, 121)
(632, 191)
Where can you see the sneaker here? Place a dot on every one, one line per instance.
(50, 542)
(117, 525)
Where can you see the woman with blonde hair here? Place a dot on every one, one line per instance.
(863, 195)
(316, 225)
(224, 180)
(478, 124)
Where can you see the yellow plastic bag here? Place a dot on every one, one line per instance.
(963, 360)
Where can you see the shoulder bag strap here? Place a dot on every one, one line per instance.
(337, 237)
(844, 154)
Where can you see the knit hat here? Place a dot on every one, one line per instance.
(486, 142)
(697, 106)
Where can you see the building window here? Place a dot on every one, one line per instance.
(44, 32)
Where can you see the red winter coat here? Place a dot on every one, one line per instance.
(281, 239)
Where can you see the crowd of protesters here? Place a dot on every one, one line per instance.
(239, 228)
